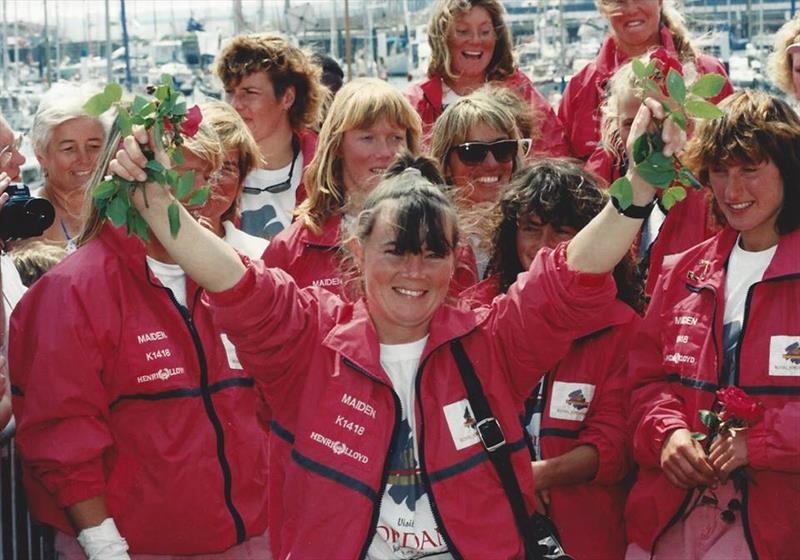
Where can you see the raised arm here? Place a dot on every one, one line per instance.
(216, 267)
(604, 241)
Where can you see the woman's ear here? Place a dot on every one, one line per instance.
(288, 98)
(357, 250)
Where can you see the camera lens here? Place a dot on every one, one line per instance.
(41, 212)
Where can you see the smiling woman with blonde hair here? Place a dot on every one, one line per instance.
(470, 46)
(367, 125)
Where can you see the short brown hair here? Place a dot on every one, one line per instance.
(444, 13)
(755, 128)
(285, 65)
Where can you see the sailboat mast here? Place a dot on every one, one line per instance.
(109, 68)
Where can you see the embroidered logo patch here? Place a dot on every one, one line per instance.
(461, 422)
(230, 350)
(784, 355)
(570, 401)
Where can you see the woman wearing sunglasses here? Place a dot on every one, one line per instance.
(575, 417)
(470, 46)
(478, 145)
(636, 26)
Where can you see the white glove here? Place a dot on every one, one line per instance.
(103, 542)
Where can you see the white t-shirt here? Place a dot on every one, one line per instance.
(266, 214)
(745, 268)
(171, 276)
(448, 96)
(406, 526)
(245, 243)
(13, 290)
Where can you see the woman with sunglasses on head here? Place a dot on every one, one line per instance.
(275, 87)
(575, 416)
(724, 315)
(138, 426)
(367, 125)
(374, 450)
(636, 26)
(471, 46)
(478, 145)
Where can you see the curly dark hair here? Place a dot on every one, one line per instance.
(560, 193)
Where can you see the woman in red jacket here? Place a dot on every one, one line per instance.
(636, 27)
(471, 45)
(576, 415)
(137, 424)
(367, 124)
(374, 450)
(724, 313)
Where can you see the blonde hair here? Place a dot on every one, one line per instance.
(779, 64)
(479, 107)
(444, 14)
(233, 135)
(622, 85)
(35, 257)
(359, 104)
(205, 144)
(285, 65)
(672, 19)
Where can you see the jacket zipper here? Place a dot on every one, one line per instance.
(426, 482)
(209, 407)
(690, 493)
(376, 506)
(745, 516)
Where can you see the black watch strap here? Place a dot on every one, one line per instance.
(637, 212)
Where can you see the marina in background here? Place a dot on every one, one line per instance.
(133, 42)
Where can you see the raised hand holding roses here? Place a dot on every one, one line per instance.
(167, 120)
(662, 81)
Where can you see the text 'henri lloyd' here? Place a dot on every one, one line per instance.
(358, 405)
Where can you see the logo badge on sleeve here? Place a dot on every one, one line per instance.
(570, 401)
(784, 356)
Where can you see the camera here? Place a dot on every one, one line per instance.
(24, 216)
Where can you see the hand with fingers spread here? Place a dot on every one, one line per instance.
(684, 461)
(729, 452)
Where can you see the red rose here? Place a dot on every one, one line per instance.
(167, 124)
(191, 122)
(738, 405)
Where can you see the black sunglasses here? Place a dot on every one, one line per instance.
(284, 185)
(473, 153)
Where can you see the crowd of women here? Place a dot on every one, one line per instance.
(294, 373)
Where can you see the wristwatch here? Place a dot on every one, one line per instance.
(632, 211)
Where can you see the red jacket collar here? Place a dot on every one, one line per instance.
(329, 237)
(709, 264)
(354, 339)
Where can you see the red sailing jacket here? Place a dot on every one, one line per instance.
(687, 224)
(119, 392)
(335, 413)
(315, 260)
(595, 365)
(580, 105)
(308, 147)
(675, 363)
(426, 98)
